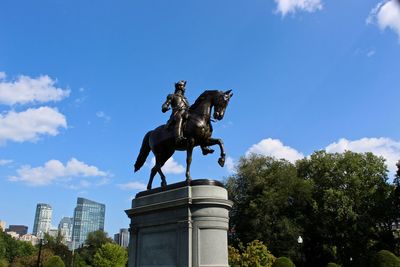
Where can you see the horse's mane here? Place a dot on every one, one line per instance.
(201, 98)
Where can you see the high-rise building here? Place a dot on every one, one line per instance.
(122, 238)
(88, 217)
(42, 222)
(19, 229)
(116, 238)
(65, 229)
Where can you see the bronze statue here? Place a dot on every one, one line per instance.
(195, 130)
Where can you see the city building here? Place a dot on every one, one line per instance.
(42, 221)
(122, 238)
(88, 217)
(19, 229)
(53, 232)
(30, 238)
(116, 238)
(65, 229)
(13, 234)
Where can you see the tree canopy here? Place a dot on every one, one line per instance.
(340, 203)
(110, 255)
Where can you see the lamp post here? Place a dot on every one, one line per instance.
(42, 241)
(300, 242)
(40, 252)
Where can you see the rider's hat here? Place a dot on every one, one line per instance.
(181, 82)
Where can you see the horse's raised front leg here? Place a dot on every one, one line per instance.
(189, 152)
(217, 141)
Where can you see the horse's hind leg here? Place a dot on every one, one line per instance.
(160, 162)
(152, 174)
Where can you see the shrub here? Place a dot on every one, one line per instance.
(283, 262)
(331, 264)
(255, 254)
(54, 261)
(385, 258)
(3, 263)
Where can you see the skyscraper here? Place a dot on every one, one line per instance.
(88, 217)
(42, 221)
(122, 238)
(65, 229)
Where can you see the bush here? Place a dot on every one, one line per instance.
(385, 258)
(3, 263)
(283, 262)
(54, 261)
(256, 254)
(331, 264)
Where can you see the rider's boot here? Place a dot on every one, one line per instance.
(179, 138)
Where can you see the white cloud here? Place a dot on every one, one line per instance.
(291, 6)
(30, 90)
(30, 124)
(386, 15)
(388, 148)
(385, 147)
(274, 148)
(230, 165)
(102, 115)
(132, 186)
(54, 171)
(4, 162)
(171, 166)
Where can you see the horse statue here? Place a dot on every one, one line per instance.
(197, 129)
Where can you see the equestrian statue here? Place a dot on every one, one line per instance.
(188, 127)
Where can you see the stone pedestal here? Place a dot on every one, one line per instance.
(182, 225)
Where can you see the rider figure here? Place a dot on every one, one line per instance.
(179, 105)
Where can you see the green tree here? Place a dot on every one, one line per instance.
(94, 241)
(54, 261)
(351, 193)
(58, 247)
(31, 260)
(270, 203)
(10, 248)
(110, 255)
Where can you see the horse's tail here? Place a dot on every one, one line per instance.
(144, 152)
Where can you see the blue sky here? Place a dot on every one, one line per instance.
(81, 82)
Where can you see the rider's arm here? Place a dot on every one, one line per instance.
(165, 106)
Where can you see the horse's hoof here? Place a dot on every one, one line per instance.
(188, 180)
(207, 151)
(149, 187)
(221, 162)
(163, 184)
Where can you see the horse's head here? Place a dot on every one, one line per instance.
(221, 102)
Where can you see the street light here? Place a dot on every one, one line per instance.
(42, 241)
(300, 242)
